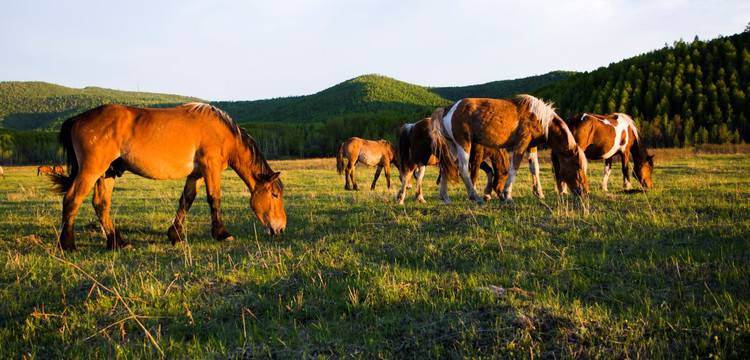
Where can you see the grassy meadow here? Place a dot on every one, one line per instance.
(663, 274)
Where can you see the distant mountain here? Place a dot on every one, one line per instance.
(40, 105)
(43, 106)
(501, 89)
(363, 94)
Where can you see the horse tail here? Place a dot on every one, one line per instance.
(440, 146)
(62, 182)
(404, 146)
(340, 159)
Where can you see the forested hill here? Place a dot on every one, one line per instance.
(363, 94)
(501, 89)
(684, 94)
(40, 105)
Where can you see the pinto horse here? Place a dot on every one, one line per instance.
(381, 153)
(416, 153)
(45, 169)
(521, 123)
(194, 140)
(603, 137)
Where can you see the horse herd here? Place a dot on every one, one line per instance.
(198, 141)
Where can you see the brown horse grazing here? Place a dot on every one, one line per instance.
(381, 153)
(45, 169)
(2, 173)
(194, 140)
(415, 151)
(57, 169)
(603, 137)
(521, 123)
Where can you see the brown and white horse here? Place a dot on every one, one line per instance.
(521, 123)
(603, 137)
(416, 153)
(194, 140)
(379, 153)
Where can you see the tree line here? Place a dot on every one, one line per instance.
(682, 95)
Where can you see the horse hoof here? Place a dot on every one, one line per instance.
(487, 197)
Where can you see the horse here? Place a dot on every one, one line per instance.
(603, 137)
(2, 173)
(416, 153)
(381, 153)
(58, 169)
(193, 140)
(521, 123)
(44, 169)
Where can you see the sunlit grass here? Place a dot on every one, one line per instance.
(649, 275)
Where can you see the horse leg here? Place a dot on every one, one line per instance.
(607, 171)
(186, 200)
(463, 166)
(444, 190)
(405, 179)
(71, 203)
(490, 180)
(418, 195)
(515, 163)
(626, 185)
(213, 192)
(377, 175)
(101, 200)
(562, 188)
(350, 173)
(534, 169)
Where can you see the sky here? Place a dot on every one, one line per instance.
(250, 50)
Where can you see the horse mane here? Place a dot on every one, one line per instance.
(542, 110)
(238, 131)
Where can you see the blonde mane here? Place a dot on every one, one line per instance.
(543, 111)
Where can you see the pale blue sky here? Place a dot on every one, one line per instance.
(249, 50)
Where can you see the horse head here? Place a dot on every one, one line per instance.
(642, 172)
(572, 170)
(266, 202)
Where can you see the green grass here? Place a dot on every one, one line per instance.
(662, 274)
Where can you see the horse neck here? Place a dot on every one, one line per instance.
(559, 137)
(638, 150)
(248, 162)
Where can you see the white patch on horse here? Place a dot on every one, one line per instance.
(447, 121)
(617, 144)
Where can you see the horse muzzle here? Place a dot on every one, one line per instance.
(275, 228)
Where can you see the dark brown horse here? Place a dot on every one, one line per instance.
(45, 169)
(521, 123)
(379, 153)
(603, 137)
(416, 153)
(194, 140)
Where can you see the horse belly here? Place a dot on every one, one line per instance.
(368, 158)
(167, 165)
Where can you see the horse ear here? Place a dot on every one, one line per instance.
(273, 177)
(650, 158)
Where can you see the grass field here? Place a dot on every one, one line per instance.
(657, 275)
